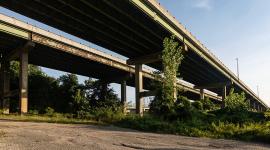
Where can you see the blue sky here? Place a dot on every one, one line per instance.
(229, 28)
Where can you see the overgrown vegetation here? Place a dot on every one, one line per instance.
(64, 100)
(94, 99)
(190, 120)
(201, 118)
(172, 55)
(213, 128)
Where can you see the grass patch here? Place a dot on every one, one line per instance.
(60, 118)
(248, 126)
(204, 125)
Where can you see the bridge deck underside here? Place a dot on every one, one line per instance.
(116, 25)
(52, 58)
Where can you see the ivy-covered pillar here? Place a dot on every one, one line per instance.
(139, 89)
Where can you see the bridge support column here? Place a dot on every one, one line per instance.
(249, 103)
(202, 94)
(23, 81)
(104, 86)
(124, 95)
(254, 105)
(139, 89)
(224, 95)
(1, 83)
(258, 108)
(5, 85)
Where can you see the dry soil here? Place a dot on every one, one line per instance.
(49, 136)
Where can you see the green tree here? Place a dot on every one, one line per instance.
(68, 85)
(99, 94)
(172, 56)
(236, 102)
(80, 103)
(64, 94)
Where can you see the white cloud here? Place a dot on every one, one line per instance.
(203, 4)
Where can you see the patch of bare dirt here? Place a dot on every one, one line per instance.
(44, 136)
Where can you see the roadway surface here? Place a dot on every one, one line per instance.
(47, 136)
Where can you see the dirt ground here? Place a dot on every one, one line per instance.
(48, 136)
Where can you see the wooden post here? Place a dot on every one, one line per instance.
(124, 95)
(139, 88)
(23, 79)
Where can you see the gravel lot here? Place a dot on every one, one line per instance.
(48, 136)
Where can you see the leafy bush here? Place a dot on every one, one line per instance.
(249, 132)
(207, 104)
(238, 117)
(84, 115)
(267, 115)
(107, 114)
(184, 101)
(33, 112)
(49, 111)
(198, 105)
(201, 126)
(236, 102)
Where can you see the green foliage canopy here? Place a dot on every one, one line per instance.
(236, 102)
(172, 55)
(63, 94)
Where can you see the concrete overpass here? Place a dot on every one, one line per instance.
(135, 29)
(47, 49)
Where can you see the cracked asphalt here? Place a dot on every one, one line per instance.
(50, 136)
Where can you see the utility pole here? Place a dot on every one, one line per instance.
(237, 67)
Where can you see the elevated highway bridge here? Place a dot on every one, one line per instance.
(136, 29)
(53, 51)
